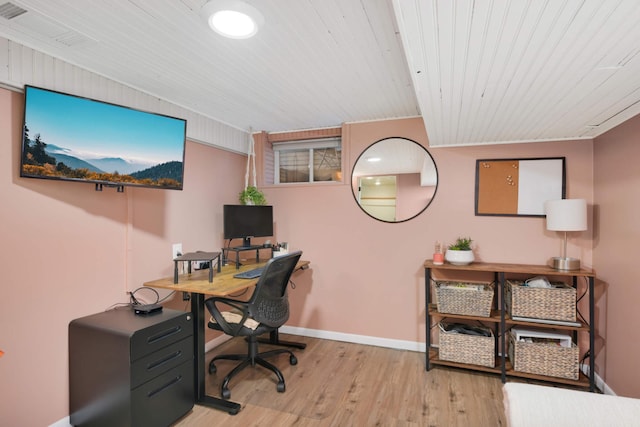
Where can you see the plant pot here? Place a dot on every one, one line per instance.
(456, 257)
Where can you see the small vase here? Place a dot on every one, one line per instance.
(456, 257)
(438, 258)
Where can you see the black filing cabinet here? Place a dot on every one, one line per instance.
(131, 370)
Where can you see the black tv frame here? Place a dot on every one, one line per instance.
(247, 221)
(75, 101)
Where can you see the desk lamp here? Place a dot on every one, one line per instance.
(566, 215)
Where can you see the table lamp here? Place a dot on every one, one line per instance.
(566, 215)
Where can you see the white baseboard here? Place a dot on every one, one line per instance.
(65, 422)
(353, 338)
(600, 384)
(335, 336)
(216, 342)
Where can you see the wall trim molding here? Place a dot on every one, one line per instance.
(210, 345)
(354, 338)
(600, 384)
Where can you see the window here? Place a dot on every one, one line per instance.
(308, 161)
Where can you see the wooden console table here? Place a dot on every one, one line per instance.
(500, 318)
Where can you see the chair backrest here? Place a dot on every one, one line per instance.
(269, 303)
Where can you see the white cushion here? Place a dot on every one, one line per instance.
(529, 405)
(233, 317)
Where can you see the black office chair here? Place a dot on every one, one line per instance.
(265, 311)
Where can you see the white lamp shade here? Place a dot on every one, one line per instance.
(566, 214)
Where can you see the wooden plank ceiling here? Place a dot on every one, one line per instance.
(509, 71)
(478, 71)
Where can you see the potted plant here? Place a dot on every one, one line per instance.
(252, 196)
(460, 252)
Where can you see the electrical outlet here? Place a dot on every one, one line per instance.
(176, 250)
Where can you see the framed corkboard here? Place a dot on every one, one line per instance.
(518, 187)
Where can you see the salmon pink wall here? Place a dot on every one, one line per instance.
(367, 275)
(616, 237)
(68, 251)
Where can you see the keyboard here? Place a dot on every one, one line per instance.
(249, 274)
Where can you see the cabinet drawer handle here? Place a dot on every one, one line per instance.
(164, 334)
(173, 381)
(172, 356)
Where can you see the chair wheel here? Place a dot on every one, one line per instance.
(293, 360)
(212, 368)
(281, 387)
(226, 393)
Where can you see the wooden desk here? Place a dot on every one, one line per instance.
(198, 285)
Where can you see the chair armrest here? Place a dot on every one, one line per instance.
(227, 327)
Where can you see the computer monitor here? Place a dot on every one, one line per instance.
(247, 221)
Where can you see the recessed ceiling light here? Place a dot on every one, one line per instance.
(232, 18)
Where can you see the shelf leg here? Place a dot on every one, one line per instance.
(592, 336)
(503, 328)
(427, 297)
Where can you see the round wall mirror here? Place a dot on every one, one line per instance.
(394, 179)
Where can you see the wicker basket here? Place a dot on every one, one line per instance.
(544, 359)
(461, 348)
(557, 303)
(471, 299)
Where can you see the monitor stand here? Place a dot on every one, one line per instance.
(196, 256)
(238, 249)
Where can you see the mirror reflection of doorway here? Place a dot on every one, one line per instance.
(377, 196)
(394, 179)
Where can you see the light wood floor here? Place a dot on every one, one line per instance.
(343, 384)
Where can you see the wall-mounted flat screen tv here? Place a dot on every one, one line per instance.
(67, 137)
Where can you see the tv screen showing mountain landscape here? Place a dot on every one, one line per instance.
(79, 139)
